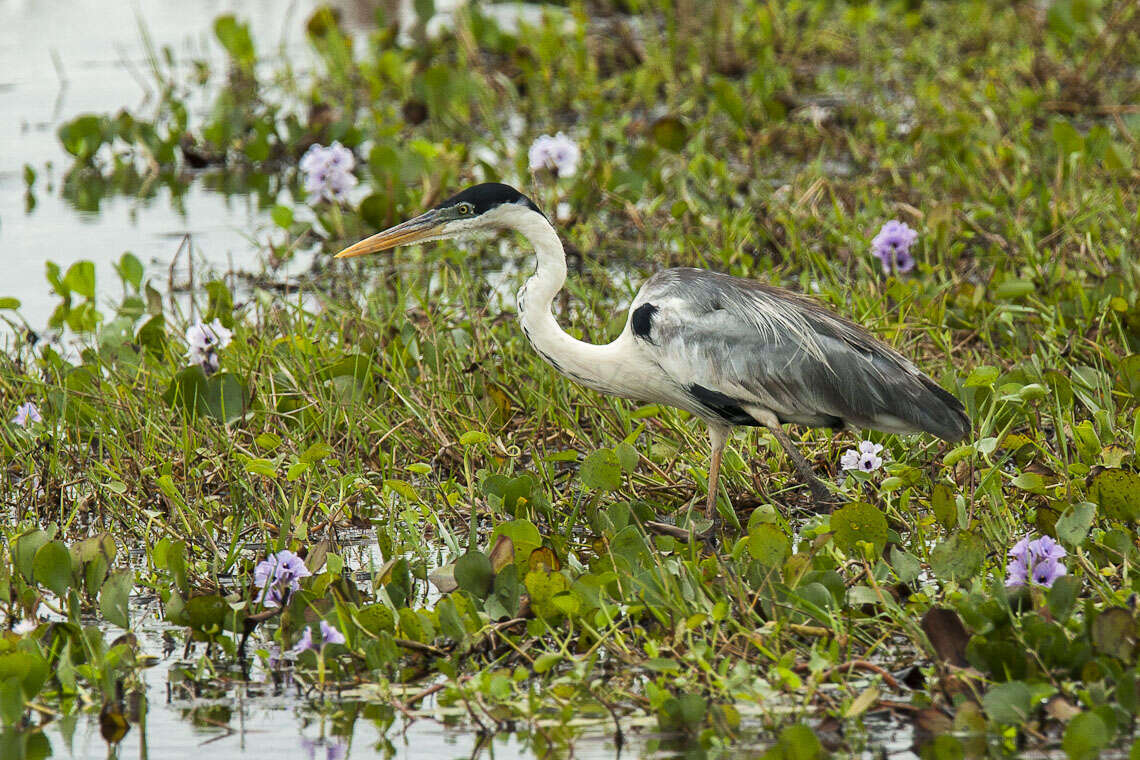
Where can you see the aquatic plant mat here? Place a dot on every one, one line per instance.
(367, 501)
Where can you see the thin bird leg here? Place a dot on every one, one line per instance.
(718, 437)
(820, 493)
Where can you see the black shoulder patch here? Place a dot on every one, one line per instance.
(642, 320)
(726, 407)
(488, 195)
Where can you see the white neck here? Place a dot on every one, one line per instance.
(599, 367)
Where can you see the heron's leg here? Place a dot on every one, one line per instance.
(718, 437)
(820, 493)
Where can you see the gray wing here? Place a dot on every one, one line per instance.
(734, 346)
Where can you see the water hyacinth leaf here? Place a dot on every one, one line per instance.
(1030, 481)
(207, 613)
(51, 567)
(944, 506)
(443, 578)
(542, 587)
(859, 521)
(375, 618)
(1113, 632)
(627, 455)
(601, 471)
(1085, 736)
(80, 278)
(1062, 597)
(473, 573)
(114, 597)
(906, 565)
(24, 548)
(1008, 703)
(236, 39)
(9, 303)
(1117, 493)
(1073, 525)
(981, 377)
(523, 535)
(768, 545)
(959, 557)
(543, 558)
(670, 133)
(130, 270)
(220, 305)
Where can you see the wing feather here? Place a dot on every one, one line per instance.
(761, 346)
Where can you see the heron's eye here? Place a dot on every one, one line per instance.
(466, 209)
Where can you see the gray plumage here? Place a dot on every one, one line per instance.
(732, 345)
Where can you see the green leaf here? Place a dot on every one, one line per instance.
(601, 471)
(24, 548)
(1062, 597)
(114, 597)
(768, 545)
(522, 534)
(1067, 138)
(944, 506)
(473, 573)
(282, 216)
(982, 377)
(316, 452)
(1114, 632)
(80, 278)
(236, 40)
(1074, 524)
(9, 303)
(859, 521)
(1085, 736)
(51, 567)
(130, 270)
(958, 557)
(627, 455)
(1117, 493)
(207, 613)
(670, 133)
(906, 566)
(1008, 703)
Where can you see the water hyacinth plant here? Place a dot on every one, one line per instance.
(864, 459)
(203, 341)
(327, 172)
(557, 154)
(892, 246)
(329, 635)
(278, 576)
(1036, 562)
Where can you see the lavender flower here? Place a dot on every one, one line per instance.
(27, 414)
(559, 154)
(1037, 562)
(865, 459)
(203, 341)
(334, 749)
(328, 171)
(281, 571)
(329, 635)
(892, 246)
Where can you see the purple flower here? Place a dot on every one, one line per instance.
(865, 459)
(559, 154)
(329, 635)
(328, 171)
(280, 571)
(1037, 561)
(27, 414)
(892, 246)
(334, 749)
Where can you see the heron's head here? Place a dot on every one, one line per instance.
(480, 209)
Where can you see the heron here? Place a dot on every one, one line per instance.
(731, 351)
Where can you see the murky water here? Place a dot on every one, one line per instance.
(58, 60)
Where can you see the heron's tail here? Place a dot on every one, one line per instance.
(941, 413)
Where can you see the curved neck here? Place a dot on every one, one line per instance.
(600, 367)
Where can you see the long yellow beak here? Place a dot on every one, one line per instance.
(424, 226)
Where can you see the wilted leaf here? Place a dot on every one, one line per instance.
(947, 635)
(1114, 633)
